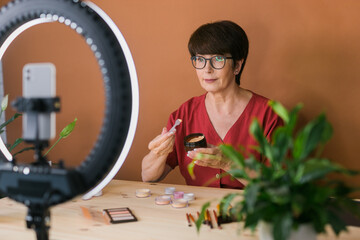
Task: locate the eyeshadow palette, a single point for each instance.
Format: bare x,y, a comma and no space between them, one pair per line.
120,215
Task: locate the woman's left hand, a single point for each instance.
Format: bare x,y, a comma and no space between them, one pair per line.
210,157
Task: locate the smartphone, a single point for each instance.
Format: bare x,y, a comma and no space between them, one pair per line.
39,81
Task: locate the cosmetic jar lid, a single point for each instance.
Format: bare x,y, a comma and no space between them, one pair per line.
178,195
189,196
143,193
163,200
179,203
170,190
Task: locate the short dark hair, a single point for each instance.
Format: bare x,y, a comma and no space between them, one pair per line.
220,38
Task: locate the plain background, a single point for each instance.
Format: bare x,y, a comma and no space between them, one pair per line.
300,51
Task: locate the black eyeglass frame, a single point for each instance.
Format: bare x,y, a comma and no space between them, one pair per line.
210,60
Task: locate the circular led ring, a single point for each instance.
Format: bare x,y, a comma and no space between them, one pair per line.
120,84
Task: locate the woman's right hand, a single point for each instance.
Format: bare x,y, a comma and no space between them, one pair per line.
162,144
154,167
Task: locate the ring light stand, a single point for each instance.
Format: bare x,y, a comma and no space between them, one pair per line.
40,186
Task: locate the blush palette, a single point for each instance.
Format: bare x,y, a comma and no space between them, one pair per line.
120,215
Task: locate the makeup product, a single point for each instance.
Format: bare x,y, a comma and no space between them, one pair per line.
93,214
178,195
188,219
206,221
177,122
142,193
170,190
189,196
179,203
209,218
192,218
194,140
163,200
120,215
216,220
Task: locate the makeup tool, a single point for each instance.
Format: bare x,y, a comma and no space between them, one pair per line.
120,215
216,220
209,218
188,219
177,122
192,218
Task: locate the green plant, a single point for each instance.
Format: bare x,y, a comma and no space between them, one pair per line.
295,187
63,134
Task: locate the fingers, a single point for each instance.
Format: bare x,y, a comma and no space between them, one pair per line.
209,157
165,148
207,151
163,143
158,140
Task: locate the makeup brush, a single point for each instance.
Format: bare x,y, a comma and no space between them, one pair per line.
177,122
188,219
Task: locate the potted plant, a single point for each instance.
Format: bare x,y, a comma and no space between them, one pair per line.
293,192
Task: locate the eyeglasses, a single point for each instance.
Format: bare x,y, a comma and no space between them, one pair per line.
216,62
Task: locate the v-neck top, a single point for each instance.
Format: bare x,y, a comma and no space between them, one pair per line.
195,119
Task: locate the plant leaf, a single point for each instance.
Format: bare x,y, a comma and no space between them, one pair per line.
15,116
190,168
280,110
335,222
282,141
23,150
264,145
17,142
68,129
315,132
63,134
225,203
250,195
4,102
282,226
233,155
201,217
317,169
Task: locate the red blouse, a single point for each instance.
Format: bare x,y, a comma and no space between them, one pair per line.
196,120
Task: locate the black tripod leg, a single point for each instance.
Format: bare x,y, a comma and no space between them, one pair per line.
38,218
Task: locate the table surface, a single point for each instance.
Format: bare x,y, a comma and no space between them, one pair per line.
154,221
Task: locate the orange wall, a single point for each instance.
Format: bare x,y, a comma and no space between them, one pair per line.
300,51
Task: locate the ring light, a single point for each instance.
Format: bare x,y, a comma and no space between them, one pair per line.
47,186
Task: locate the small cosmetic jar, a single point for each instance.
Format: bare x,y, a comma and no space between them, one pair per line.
178,195
170,190
163,200
143,193
179,203
194,140
189,196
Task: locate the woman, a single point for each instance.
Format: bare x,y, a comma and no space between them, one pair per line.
223,114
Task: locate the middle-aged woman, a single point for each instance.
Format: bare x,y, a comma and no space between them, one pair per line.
223,114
